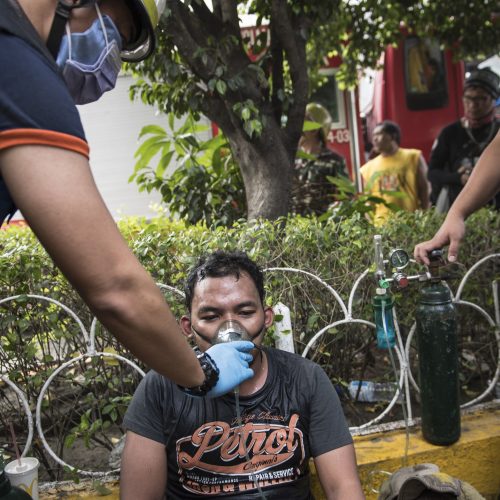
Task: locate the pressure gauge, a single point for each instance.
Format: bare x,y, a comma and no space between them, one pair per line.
399,258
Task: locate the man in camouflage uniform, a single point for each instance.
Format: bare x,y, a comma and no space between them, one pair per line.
312,192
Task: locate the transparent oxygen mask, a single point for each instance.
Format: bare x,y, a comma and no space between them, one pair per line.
230,331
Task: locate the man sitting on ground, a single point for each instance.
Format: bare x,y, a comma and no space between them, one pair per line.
255,443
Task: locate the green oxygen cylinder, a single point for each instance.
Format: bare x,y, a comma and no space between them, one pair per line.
437,341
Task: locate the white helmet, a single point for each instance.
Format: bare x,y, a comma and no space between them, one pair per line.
146,14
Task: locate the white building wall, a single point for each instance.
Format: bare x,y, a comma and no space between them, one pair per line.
112,126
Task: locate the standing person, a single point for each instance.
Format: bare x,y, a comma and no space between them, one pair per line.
395,170
53,54
483,184
460,144
251,447
312,192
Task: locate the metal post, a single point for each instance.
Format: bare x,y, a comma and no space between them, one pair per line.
354,143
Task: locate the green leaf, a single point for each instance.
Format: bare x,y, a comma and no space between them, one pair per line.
69,440
84,423
150,152
305,156
308,126
344,184
216,162
171,120
152,129
100,489
199,127
164,163
179,149
147,144
312,321
107,409
221,87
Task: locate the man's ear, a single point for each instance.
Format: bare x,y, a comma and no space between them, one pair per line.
268,316
186,327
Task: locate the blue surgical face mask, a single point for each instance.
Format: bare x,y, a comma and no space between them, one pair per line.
90,61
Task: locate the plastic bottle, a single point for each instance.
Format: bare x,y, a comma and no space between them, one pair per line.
7,491
371,392
382,307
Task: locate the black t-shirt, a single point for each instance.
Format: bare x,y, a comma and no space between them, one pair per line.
295,416
457,146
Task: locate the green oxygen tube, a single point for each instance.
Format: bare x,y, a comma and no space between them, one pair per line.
436,319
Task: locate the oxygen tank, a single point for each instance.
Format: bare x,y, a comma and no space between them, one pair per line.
436,319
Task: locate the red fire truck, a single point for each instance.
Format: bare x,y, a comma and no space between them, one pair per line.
420,88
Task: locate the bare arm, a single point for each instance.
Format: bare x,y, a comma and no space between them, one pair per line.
143,473
337,472
482,185
56,193
422,183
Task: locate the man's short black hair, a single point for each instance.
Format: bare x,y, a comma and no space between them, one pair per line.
392,129
220,264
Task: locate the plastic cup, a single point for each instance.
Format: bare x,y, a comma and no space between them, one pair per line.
24,476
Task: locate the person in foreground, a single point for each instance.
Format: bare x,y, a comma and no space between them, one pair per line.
481,187
179,447
53,54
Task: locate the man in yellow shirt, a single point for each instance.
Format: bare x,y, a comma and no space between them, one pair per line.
397,175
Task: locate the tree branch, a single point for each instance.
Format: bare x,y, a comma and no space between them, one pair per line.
215,109
277,75
229,11
208,18
292,39
189,35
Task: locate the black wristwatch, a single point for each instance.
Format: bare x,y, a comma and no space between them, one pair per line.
211,375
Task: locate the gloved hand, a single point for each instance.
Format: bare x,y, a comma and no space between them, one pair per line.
232,360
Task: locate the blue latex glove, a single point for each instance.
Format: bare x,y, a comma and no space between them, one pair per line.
232,360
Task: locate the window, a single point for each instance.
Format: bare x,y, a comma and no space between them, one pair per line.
328,95
425,74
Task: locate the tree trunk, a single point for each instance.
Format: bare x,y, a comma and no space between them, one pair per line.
267,171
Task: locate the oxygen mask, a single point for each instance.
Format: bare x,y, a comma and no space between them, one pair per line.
230,331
